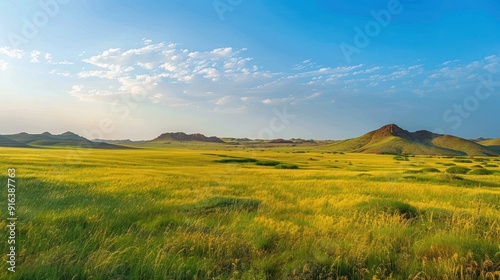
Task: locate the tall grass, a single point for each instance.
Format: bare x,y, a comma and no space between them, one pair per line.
174,213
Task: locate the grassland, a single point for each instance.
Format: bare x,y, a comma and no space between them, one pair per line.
206,212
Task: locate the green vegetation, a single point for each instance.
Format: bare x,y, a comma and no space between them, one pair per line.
401,158
463,160
287,166
430,170
480,172
393,140
236,160
412,171
267,162
457,170
210,212
389,206
223,204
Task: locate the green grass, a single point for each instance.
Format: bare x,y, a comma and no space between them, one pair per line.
223,204
480,172
236,160
286,166
457,170
401,158
463,160
389,206
267,162
173,213
430,170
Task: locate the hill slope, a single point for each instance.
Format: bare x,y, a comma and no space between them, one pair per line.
181,136
6,142
67,139
391,139
492,144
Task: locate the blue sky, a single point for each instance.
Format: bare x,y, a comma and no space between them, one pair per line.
257,69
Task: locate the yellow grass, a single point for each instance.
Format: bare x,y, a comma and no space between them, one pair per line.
176,213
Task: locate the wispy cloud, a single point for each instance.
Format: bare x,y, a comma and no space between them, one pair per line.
228,80
3,65
13,53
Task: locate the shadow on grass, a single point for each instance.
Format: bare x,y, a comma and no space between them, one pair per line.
221,204
389,206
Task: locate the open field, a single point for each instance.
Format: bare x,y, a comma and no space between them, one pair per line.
206,212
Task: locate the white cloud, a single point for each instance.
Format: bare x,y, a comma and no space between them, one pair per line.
224,100
13,53
399,74
48,57
306,64
170,101
35,56
414,67
63,74
346,69
449,62
224,77
368,71
140,84
314,95
232,110
223,52
3,65
64,62
492,63
115,71
91,95
146,65
102,60
77,90
144,50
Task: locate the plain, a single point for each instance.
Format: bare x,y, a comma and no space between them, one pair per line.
207,211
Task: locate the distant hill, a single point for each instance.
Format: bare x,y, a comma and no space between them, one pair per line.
490,142
119,142
493,144
67,139
281,141
7,142
391,139
181,136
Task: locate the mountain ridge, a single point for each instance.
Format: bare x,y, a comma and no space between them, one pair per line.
181,136
46,139
392,139
388,139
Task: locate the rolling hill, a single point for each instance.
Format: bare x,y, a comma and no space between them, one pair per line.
181,136
67,139
492,144
7,142
391,139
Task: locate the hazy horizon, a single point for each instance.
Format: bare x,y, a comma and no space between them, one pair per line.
225,136
253,69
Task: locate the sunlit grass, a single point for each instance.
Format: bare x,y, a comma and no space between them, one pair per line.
194,212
